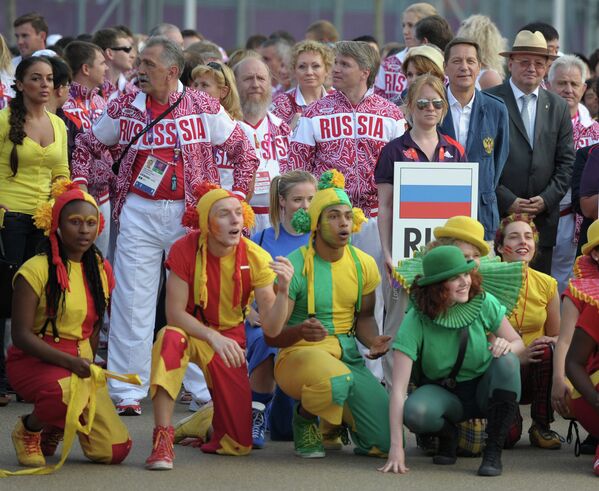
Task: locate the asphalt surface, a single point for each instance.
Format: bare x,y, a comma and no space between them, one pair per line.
276,468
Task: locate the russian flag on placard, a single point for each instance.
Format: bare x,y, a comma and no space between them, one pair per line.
444,195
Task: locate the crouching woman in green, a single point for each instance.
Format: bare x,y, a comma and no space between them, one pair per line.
462,375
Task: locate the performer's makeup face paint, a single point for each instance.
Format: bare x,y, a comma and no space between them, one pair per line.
470,251
458,288
79,228
518,243
226,221
335,225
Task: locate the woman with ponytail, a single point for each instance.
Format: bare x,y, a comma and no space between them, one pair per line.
288,193
33,153
60,299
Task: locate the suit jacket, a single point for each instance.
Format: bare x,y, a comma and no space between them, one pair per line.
487,144
544,171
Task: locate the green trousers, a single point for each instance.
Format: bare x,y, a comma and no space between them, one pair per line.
427,408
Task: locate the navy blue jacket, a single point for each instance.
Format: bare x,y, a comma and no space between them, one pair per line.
487,144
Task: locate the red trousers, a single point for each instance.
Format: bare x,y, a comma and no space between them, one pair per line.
229,387
586,414
47,387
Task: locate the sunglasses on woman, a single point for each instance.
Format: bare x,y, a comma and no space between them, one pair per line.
423,103
215,66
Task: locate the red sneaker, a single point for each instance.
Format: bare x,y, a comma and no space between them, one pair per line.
51,437
162,456
596,463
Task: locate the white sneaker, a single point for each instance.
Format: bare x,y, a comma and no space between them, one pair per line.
128,407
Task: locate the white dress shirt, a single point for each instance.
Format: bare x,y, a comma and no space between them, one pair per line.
461,116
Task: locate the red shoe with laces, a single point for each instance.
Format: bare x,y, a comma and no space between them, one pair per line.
162,456
51,438
596,463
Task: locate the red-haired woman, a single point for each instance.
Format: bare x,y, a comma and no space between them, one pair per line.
462,376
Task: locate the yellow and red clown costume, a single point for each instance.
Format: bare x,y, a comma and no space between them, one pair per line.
329,377
219,290
49,386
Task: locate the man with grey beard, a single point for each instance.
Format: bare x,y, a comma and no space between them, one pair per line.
270,137
268,133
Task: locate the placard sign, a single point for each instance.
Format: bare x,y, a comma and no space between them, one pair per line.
425,195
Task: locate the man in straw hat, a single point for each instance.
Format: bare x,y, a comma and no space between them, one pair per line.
213,272
537,173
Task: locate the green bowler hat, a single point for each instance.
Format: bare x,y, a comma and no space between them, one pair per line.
442,263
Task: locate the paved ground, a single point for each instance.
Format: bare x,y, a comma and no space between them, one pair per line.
275,468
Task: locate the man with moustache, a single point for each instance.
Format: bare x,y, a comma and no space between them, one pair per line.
268,133
177,129
331,305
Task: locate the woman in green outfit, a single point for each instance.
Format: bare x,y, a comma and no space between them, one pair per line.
449,313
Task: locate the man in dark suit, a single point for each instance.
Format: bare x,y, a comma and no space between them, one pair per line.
537,173
479,122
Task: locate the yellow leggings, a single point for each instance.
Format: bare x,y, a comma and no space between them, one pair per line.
331,381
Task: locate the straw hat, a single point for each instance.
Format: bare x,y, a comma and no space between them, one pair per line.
465,229
428,51
592,238
529,43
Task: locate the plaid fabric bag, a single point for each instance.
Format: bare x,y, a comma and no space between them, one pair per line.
471,439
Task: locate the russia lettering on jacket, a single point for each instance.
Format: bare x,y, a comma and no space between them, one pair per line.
164,133
277,149
350,125
81,117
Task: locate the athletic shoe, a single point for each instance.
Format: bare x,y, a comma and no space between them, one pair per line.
27,445
544,438
588,446
162,456
258,424
185,397
51,437
596,463
334,437
307,438
197,425
128,407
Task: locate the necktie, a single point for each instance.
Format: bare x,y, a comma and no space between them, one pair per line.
525,113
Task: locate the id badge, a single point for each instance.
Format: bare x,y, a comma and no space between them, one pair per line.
262,183
151,175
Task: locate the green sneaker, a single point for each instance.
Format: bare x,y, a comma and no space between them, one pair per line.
307,438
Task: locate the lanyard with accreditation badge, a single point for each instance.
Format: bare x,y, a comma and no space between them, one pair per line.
116,167
154,169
